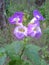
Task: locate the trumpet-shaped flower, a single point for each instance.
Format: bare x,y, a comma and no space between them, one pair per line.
34,31
20,32
16,18
38,15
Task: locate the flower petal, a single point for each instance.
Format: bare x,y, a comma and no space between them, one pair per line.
20,32
38,33
34,31
16,17
38,15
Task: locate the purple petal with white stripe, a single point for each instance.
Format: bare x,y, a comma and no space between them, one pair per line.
38,15
17,17
20,32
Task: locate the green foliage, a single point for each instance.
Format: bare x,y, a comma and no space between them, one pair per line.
16,62
46,36
19,62
42,10
14,49
43,62
12,7
15,52
46,31
2,56
31,51
47,9
27,62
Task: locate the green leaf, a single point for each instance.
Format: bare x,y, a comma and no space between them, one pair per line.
19,62
16,62
2,56
43,62
14,49
33,47
27,62
31,51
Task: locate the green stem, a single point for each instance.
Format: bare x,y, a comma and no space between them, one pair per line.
22,52
24,42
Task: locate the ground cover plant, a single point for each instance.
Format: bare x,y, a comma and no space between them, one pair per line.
24,40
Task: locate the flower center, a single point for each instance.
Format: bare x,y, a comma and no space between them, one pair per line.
37,16
17,19
31,23
35,29
21,29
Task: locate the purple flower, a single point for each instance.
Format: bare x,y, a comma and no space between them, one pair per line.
16,18
20,32
38,15
34,31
